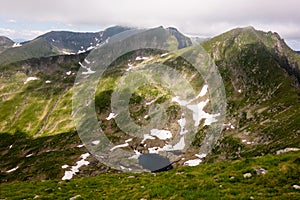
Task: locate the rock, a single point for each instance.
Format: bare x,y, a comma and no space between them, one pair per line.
75,197
247,175
261,171
297,187
131,177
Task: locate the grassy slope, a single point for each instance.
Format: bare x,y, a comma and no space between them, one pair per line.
35,49
212,181
37,108
261,113
266,109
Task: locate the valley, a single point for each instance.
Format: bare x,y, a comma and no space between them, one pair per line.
43,156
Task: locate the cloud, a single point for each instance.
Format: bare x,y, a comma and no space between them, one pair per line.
12,21
21,34
190,16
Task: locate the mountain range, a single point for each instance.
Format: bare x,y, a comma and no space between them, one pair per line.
261,76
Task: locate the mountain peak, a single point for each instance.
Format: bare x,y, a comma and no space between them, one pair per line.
5,43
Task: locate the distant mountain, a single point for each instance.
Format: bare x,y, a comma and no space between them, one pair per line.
198,40
243,41
298,52
259,72
66,43
58,43
5,43
183,41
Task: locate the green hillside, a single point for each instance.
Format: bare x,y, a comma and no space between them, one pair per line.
227,180
261,78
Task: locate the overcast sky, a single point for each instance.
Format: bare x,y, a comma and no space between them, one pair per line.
27,19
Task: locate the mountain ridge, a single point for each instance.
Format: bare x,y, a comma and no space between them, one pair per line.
262,98
5,43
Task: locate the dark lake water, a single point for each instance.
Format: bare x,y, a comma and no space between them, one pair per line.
155,162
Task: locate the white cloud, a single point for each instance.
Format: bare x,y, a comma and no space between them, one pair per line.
12,21
24,34
190,16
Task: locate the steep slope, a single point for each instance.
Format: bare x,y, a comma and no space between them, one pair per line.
232,43
5,43
260,75
36,108
36,94
262,98
183,41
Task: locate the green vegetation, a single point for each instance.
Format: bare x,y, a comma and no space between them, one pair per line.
211,181
262,118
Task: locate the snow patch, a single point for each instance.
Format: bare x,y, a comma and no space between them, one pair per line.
287,150
143,58
13,169
165,54
136,156
79,146
111,116
199,114
89,71
129,140
119,146
29,155
161,134
130,67
182,122
151,102
67,52
297,187
202,155
193,163
80,51
147,137
179,146
125,168
68,73
180,102
88,62
16,45
90,48
65,166
47,81
30,79
96,142
197,109
203,91
69,174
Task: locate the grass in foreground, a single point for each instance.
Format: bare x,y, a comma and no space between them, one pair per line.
211,181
